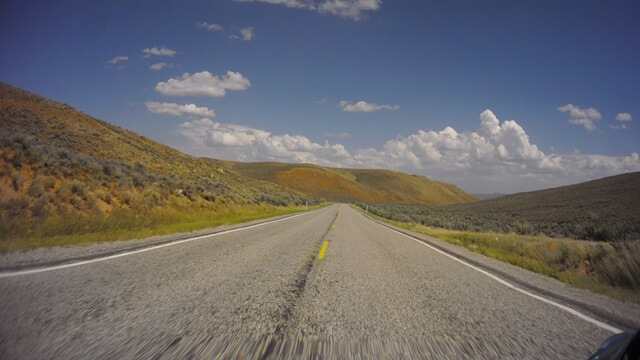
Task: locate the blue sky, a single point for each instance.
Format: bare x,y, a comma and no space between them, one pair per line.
290,80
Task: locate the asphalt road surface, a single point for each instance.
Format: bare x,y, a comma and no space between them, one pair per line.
329,284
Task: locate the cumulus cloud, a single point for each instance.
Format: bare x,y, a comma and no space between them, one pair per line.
498,156
178,110
118,59
351,9
159,66
210,138
362,106
203,84
341,135
210,26
583,117
158,51
624,117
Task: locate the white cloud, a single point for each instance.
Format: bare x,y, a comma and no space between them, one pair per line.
583,117
362,106
159,51
341,135
496,157
210,26
352,9
302,4
118,59
203,84
159,66
247,33
214,139
619,127
178,110
624,117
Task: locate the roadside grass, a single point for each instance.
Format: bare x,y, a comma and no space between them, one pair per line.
611,269
124,226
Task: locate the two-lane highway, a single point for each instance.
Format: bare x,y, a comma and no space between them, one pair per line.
329,283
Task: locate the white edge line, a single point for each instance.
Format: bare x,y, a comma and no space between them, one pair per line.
84,262
509,285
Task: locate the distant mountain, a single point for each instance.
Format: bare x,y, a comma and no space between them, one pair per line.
64,172
488,196
377,186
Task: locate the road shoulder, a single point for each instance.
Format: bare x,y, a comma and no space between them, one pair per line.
58,255
623,315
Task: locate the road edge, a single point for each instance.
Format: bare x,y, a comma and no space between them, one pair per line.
164,240
595,310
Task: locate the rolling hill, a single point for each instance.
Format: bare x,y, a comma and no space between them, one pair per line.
63,172
375,186
605,209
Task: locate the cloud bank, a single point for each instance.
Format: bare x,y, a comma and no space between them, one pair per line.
497,156
203,84
214,139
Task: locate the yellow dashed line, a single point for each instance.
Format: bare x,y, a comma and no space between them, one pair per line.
324,248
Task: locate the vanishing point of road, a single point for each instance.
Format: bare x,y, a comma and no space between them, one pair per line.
330,283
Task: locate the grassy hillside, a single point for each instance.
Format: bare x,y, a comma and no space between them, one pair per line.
376,186
602,210
64,173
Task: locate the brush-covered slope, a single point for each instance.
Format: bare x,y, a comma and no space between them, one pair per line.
377,186
64,172
607,209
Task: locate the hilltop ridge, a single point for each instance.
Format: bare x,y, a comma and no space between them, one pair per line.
370,185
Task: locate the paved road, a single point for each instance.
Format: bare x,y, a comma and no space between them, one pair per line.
263,293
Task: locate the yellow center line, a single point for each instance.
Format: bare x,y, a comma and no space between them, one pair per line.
324,248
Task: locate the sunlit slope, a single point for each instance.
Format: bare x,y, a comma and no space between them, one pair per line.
380,186
59,165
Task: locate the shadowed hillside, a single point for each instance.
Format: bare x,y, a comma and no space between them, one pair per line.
63,173
376,186
602,210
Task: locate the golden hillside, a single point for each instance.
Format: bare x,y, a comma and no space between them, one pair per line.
378,186
63,172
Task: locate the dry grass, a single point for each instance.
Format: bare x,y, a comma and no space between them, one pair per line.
75,231
611,269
